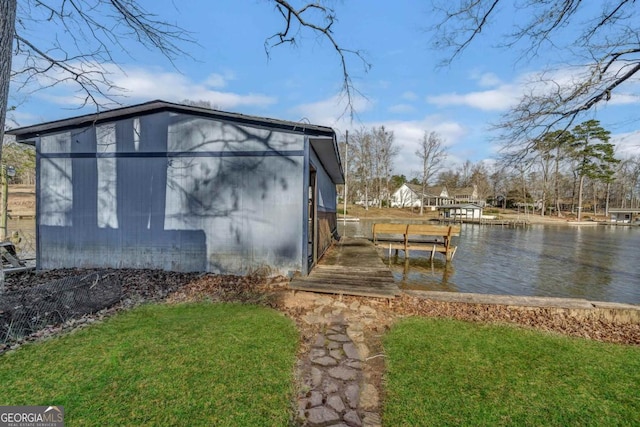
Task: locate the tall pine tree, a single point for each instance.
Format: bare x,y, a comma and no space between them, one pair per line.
594,154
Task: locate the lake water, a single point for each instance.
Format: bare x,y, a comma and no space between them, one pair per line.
599,263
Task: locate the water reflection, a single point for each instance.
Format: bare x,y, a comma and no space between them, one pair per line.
422,273
599,263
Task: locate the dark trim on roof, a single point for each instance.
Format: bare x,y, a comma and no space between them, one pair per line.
461,206
29,132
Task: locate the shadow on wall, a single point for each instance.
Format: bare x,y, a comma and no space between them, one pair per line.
171,191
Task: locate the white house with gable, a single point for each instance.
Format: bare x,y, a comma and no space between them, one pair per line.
410,196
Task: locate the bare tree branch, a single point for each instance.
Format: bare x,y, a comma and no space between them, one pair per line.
93,30
599,42
290,14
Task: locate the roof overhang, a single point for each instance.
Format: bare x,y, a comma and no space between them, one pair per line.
327,151
624,210
461,206
28,133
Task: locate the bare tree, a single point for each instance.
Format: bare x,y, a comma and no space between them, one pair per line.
432,152
385,151
93,29
363,163
85,33
600,45
7,22
480,179
318,18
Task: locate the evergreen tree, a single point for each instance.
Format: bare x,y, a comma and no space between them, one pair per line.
594,155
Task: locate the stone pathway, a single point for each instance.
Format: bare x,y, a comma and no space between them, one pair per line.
334,387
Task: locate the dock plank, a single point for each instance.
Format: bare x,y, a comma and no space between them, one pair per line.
350,267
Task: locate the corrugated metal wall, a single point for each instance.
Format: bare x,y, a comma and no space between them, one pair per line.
171,191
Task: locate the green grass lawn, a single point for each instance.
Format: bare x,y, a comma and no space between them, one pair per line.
197,364
445,372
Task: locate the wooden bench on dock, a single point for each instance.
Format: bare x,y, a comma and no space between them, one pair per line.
403,237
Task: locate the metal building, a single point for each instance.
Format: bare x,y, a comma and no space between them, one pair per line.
176,187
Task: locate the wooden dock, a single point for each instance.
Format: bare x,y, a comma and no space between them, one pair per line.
350,267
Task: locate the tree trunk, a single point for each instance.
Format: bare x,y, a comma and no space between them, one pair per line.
580,197
595,199
7,28
606,200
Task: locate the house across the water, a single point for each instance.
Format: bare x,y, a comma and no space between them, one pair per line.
411,196
624,215
176,187
461,211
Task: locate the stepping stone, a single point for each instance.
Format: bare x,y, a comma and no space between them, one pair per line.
337,329
325,361
337,354
336,403
333,345
354,364
352,419
343,373
351,351
371,419
363,350
315,399
352,393
339,338
316,376
369,397
321,416
330,387
317,352
319,341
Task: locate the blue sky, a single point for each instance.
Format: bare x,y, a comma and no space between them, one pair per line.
405,90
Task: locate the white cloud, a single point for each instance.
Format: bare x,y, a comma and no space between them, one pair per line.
147,84
144,84
409,133
486,79
624,99
500,95
627,144
216,80
409,96
401,108
498,99
333,111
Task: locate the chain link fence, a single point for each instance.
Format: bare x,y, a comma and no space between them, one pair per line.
25,243
25,311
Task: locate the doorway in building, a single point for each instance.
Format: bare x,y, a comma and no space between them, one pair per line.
312,228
